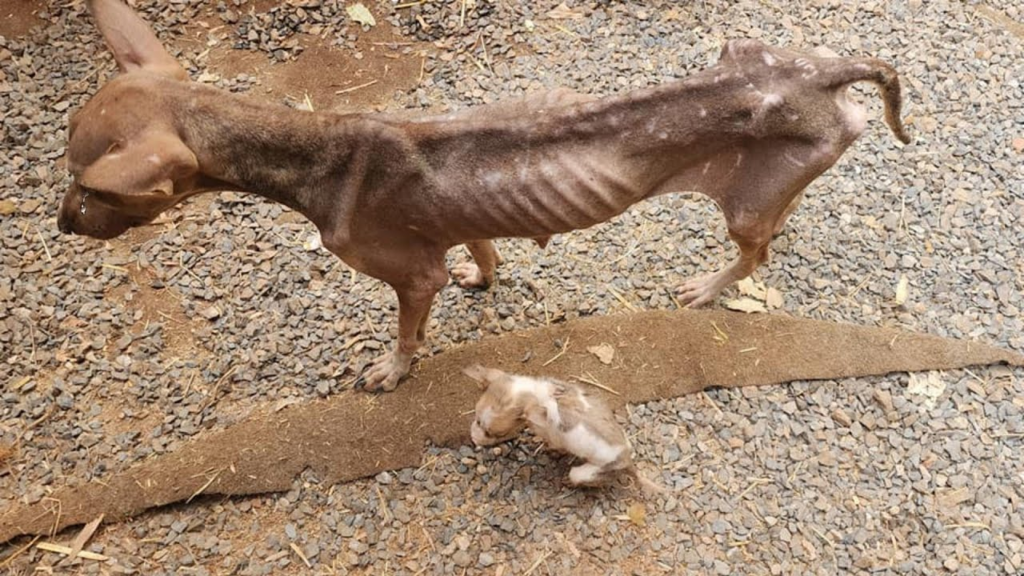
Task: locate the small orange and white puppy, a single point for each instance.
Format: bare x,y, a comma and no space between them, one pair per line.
565,416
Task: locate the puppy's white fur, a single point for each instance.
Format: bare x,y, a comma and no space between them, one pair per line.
565,416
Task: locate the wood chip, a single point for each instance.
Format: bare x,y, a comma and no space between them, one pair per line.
884,400
563,12
51,547
842,418
298,552
79,542
945,499
604,352
902,290
748,287
748,305
637,514
929,385
360,14
773,298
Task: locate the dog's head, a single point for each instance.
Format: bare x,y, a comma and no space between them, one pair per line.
127,161
499,416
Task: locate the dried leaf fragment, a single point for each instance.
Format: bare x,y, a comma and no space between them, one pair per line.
748,305
902,290
360,14
563,12
748,287
604,352
637,514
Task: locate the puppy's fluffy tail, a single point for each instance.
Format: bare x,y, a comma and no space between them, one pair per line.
846,71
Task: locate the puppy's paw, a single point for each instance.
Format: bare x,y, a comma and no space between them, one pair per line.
385,372
469,276
585,475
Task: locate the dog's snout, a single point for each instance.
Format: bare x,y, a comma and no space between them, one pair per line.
63,224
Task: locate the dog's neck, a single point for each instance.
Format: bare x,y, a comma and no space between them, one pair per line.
294,157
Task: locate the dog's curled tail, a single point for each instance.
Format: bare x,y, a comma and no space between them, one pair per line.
852,70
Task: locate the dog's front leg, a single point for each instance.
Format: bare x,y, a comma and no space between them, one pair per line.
414,301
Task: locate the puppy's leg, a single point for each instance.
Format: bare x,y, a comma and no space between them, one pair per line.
585,475
415,297
480,272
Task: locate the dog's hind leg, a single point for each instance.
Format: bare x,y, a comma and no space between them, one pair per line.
781,223
479,273
755,205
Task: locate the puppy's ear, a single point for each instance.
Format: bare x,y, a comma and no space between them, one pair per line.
536,413
483,376
147,164
134,45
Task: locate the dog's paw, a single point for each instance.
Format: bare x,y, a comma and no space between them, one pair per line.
699,291
385,372
469,276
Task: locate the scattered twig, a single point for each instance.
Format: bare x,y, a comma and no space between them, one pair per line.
720,336
712,402
34,423
754,483
57,548
114,267
301,556
978,525
621,299
216,388
7,561
565,346
354,88
49,257
589,379
79,542
204,486
537,562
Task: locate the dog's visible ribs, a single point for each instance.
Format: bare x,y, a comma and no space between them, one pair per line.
392,193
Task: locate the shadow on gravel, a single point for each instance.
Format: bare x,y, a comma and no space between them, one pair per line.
353,435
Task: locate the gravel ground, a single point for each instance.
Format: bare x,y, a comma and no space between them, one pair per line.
115,351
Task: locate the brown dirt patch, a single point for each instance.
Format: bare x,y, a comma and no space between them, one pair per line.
353,435
389,63
18,17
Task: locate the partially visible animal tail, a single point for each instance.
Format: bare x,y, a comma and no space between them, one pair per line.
848,71
647,484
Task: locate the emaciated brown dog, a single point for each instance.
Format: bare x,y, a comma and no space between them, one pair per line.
391,195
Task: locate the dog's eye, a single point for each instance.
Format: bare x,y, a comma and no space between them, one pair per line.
108,198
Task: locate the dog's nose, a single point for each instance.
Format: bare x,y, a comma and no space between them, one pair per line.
63,225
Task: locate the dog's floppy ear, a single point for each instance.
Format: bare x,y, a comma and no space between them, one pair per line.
483,376
149,163
134,45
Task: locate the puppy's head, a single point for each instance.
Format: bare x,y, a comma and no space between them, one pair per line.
499,416
127,161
